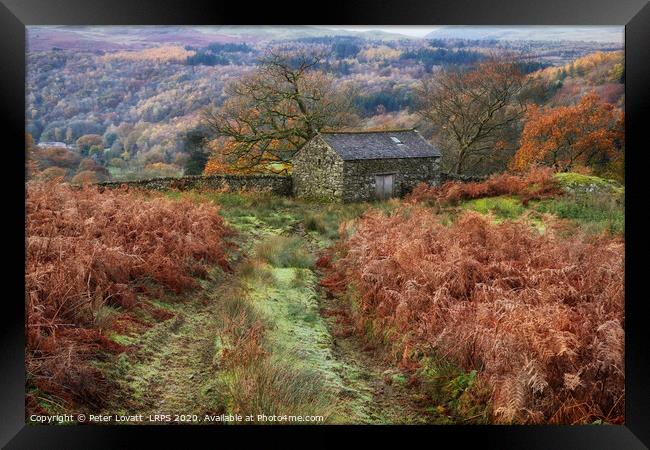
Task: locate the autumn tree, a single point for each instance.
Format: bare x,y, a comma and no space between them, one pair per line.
89,164
51,174
55,157
270,114
473,112
86,177
589,133
85,142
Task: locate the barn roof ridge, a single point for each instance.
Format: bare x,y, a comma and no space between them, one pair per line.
395,130
379,144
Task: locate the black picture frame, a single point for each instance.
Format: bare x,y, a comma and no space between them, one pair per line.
15,15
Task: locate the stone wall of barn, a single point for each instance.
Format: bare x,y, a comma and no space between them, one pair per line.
317,172
359,176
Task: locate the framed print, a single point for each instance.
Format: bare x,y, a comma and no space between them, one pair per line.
415,219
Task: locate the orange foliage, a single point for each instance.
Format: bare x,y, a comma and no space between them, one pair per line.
536,184
225,150
540,317
562,137
86,250
85,177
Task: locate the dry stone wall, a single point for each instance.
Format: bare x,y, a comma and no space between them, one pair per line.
277,184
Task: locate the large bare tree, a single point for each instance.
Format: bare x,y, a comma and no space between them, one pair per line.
270,113
473,111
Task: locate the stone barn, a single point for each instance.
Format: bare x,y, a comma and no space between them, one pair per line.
365,165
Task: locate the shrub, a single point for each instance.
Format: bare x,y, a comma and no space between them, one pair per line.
540,317
86,250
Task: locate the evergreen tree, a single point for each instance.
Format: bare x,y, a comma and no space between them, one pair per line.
197,154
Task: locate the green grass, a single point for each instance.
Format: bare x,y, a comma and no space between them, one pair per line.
298,375
138,173
502,207
123,339
595,204
283,251
594,213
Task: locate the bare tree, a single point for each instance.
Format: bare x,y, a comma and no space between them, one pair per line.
270,114
473,111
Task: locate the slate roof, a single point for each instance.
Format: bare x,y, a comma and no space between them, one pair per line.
379,144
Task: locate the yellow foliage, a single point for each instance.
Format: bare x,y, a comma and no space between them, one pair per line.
381,52
160,54
599,67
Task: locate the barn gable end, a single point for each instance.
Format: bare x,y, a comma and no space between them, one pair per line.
317,171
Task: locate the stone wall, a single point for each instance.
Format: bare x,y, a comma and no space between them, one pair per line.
317,172
274,183
359,176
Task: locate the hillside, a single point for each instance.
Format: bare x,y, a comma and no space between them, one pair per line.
143,89
108,38
606,35
602,72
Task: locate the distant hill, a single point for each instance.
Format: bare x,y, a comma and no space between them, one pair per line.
109,38
613,34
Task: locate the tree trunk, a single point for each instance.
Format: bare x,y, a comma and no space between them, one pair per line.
459,164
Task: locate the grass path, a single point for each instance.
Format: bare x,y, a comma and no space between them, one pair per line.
376,392
174,367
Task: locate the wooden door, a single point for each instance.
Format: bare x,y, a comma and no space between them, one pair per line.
384,186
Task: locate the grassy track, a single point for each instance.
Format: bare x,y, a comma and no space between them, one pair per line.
182,365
